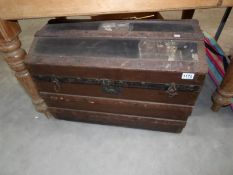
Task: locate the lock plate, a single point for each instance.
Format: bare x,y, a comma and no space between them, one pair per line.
110,87
172,90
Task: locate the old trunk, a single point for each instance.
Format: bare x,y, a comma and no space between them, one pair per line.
143,74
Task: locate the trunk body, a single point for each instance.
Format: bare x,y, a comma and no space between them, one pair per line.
141,74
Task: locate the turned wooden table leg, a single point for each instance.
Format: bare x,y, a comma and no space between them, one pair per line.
11,46
224,94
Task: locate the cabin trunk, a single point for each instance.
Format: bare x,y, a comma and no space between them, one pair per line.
141,74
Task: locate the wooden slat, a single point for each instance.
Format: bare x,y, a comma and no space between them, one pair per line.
18,9
127,93
118,106
119,120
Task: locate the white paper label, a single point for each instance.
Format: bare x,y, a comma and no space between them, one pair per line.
187,76
176,35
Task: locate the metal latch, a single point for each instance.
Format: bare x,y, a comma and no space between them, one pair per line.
172,90
111,87
56,85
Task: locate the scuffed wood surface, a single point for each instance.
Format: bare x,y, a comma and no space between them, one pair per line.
19,9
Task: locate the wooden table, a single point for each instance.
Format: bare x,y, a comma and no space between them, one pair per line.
24,9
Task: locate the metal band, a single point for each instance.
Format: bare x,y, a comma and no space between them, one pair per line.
117,83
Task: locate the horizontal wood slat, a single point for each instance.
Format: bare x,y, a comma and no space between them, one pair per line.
119,120
118,106
127,93
15,9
